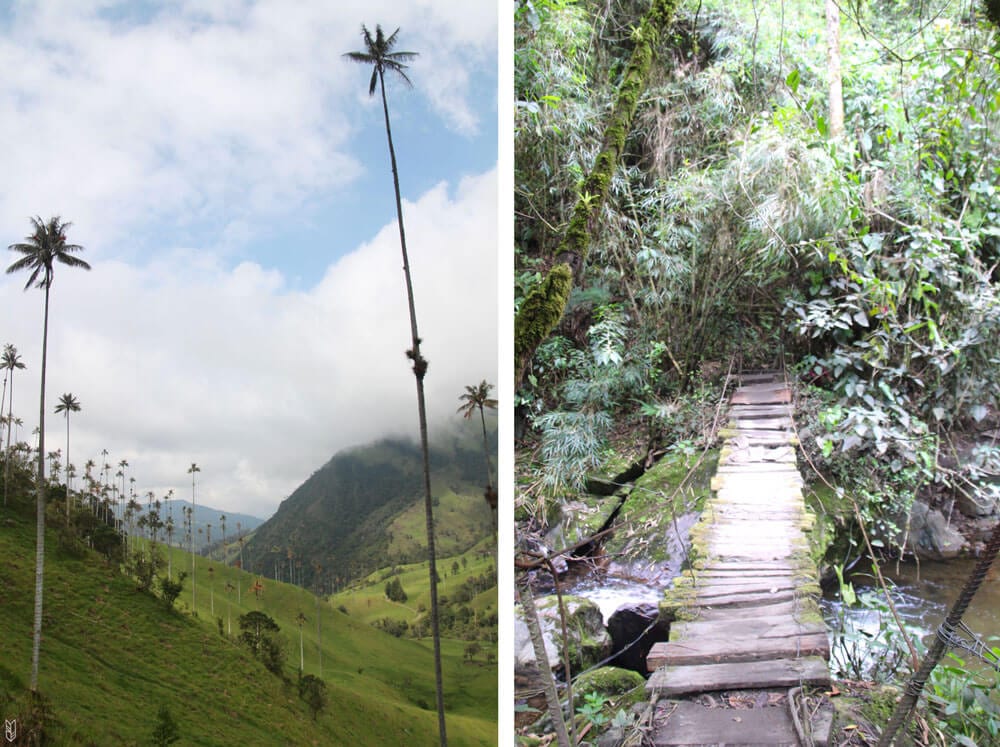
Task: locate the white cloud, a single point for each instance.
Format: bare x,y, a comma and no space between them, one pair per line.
182,359
206,111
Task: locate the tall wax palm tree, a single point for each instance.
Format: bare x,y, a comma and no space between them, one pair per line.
41,251
478,398
67,404
379,53
192,470
10,361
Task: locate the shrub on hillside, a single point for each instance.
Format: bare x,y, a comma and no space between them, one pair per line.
394,591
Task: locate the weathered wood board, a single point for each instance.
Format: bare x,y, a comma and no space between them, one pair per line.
671,681
692,723
745,648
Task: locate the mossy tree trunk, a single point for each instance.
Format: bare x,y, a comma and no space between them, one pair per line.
541,310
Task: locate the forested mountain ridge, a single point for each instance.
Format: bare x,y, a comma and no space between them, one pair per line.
352,515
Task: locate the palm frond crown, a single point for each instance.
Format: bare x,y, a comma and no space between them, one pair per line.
42,249
68,403
378,53
477,397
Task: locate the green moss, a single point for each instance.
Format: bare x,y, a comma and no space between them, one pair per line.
588,516
609,681
539,314
880,704
655,496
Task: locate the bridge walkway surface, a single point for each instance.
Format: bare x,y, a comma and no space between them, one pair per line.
747,638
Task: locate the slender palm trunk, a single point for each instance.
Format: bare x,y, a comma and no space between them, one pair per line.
419,369
191,547
3,401
319,635
10,427
67,468
486,450
36,638
490,491
302,653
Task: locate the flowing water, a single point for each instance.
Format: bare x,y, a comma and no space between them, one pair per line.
923,594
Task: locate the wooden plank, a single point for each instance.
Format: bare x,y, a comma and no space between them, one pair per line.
724,573
776,607
767,626
756,436
761,397
763,474
694,724
761,386
745,599
716,650
708,585
782,423
671,681
750,411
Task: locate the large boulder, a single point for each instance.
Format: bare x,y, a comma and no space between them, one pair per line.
627,626
931,536
588,642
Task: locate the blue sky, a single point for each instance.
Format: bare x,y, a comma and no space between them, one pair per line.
228,174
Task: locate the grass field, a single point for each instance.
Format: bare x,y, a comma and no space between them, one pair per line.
366,601
112,655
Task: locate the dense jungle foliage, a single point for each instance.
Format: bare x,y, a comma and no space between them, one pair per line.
741,224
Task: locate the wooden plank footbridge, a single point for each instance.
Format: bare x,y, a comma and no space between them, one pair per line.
746,635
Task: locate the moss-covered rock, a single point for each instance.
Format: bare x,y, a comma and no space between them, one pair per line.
610,682
585,517
654,512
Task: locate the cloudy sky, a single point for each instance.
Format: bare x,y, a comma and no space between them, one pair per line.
228,176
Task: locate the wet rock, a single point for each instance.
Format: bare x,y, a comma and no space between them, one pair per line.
588,641
983,503
931,536
630,622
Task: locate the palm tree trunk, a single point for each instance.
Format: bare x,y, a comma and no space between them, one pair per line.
3,401
36,637
419,369
486,450
67,468
319,633
490,491
10,427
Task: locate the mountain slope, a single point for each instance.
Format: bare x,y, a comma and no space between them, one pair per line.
111,656
363,510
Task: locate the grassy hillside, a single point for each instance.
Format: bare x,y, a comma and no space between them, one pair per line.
111,656
333,527
367,601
